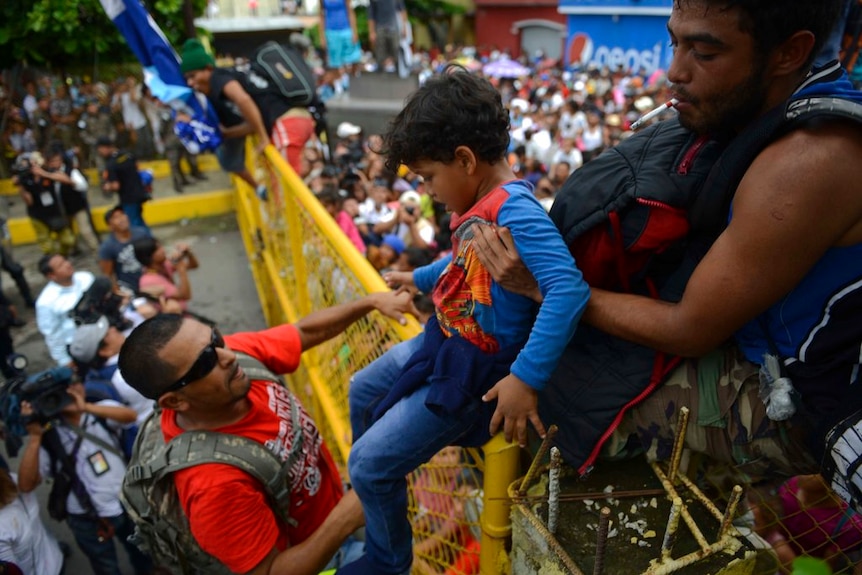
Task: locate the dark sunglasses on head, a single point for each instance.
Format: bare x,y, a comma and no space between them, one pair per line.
204,364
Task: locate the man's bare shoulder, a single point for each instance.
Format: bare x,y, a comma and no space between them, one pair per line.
811,172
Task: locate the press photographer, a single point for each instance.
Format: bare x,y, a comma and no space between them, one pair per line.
77,444
44,184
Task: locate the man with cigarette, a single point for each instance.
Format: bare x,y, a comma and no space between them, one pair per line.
778,293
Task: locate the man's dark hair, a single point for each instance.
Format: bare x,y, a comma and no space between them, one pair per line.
771,22
418,257
453,109
45,264
139,361
144,249
330,194
111,211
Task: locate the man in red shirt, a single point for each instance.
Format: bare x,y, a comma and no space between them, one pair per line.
193,374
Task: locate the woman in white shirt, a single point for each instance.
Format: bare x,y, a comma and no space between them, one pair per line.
24,541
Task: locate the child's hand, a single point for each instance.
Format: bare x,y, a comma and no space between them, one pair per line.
517,402
398,279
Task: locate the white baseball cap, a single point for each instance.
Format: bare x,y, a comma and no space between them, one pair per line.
346,129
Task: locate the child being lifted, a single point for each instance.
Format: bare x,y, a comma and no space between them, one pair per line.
486,351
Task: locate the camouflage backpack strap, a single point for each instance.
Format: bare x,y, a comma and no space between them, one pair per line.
161,527
257,371
198,447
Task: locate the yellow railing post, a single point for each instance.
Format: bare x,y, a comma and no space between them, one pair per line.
501,469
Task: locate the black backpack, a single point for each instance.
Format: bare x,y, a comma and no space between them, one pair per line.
278,69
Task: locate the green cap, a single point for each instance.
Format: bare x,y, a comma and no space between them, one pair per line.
195,56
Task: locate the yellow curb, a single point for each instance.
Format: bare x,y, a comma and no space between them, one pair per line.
160,168
156,213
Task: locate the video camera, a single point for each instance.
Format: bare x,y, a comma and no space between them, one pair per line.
23,166
46,392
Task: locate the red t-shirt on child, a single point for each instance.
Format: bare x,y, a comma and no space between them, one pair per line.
228,510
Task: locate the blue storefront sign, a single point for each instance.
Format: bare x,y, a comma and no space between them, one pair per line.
628,34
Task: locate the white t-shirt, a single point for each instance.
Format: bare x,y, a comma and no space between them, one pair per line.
24,540
574,158
373,215
425,228
142,406
133,117
99,469
52,314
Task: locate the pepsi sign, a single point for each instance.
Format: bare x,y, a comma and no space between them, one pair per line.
637,44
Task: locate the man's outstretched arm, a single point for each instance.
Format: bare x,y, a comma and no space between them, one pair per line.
322,325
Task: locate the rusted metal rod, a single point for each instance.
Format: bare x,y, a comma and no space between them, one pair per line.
672,526
537,460
554,490
735,496
602,540
679,442
623,494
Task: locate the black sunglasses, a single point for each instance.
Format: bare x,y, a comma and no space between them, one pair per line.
204,364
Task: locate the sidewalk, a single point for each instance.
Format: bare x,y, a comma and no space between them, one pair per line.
213,196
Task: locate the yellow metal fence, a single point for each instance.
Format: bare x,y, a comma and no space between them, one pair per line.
301,261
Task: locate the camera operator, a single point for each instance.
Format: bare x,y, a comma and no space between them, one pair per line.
81,444
36,185
413,228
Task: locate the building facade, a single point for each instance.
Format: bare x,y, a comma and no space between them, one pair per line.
521,27
628,34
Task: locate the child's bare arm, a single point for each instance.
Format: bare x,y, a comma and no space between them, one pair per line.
517,403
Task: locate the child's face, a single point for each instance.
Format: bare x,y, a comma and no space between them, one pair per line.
332,208
387,253
447,184
402,264
351,206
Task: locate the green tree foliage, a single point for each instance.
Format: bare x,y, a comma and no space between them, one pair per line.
67,32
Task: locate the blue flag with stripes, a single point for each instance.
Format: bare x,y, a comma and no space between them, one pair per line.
162,73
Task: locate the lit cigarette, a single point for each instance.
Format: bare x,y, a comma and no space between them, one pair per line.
653,113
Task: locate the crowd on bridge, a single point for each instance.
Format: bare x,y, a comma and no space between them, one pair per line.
454,203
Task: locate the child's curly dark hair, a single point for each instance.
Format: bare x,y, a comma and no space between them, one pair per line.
453,109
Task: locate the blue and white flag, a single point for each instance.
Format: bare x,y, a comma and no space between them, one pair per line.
162,73
150,46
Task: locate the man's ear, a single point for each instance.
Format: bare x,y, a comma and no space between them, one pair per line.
465,158
791,56
174,401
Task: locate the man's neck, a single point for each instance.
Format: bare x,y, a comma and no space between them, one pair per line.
123,236
65,283
207,420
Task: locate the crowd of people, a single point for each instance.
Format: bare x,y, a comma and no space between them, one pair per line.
451,205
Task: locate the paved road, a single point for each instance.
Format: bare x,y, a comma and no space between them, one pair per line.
222,289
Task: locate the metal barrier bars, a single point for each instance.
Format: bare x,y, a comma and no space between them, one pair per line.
301,261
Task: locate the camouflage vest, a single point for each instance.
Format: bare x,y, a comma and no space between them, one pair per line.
150,497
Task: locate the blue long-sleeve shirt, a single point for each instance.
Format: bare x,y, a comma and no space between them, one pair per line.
468,302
